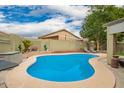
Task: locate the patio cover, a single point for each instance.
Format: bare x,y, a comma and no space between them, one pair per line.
113,27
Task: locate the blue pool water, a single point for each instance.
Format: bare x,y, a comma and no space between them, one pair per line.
62,68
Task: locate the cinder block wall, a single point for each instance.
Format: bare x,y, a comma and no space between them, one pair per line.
58,45
5,46
11,44
63,45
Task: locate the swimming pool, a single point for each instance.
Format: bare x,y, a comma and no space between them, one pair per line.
62,68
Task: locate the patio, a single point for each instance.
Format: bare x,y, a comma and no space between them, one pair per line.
117,72
98,80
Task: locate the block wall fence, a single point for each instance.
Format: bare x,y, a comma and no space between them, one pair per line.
12,43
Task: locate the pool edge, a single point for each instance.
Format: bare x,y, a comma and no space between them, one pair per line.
24,82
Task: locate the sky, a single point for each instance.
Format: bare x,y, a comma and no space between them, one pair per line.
35,21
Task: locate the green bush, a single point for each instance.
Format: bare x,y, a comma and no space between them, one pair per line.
20,47
45,47
27,44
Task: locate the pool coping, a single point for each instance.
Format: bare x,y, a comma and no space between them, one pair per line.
102,77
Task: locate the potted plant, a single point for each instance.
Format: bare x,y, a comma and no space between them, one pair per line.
20,48
115,61
45,47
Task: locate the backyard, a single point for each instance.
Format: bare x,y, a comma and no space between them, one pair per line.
60,49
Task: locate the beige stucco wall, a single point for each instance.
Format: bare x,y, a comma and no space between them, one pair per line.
5,46
12,41
15,40
64,35
40,43
63,45
5,42
58,45
9,42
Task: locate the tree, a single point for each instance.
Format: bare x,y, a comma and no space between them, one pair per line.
93,28
120,37
27,44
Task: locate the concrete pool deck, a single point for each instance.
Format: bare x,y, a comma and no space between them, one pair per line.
102,78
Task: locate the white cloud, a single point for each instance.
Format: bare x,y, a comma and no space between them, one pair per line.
1,16
57,22
72,11
76,33
38,29
76,23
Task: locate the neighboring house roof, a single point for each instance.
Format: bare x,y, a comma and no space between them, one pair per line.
115,22
50,36
59,31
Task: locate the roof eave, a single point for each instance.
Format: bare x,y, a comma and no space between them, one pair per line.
58,31
114,22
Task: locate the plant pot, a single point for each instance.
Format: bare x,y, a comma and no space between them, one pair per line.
115,62
115,56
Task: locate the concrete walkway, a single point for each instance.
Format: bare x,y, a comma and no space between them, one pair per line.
2,78
118,72
96,81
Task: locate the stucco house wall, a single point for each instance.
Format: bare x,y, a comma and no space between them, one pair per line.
61,34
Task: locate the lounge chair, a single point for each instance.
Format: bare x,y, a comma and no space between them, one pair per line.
92,50
86,50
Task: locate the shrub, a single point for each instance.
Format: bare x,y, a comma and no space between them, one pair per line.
45,47
20,47
27,44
